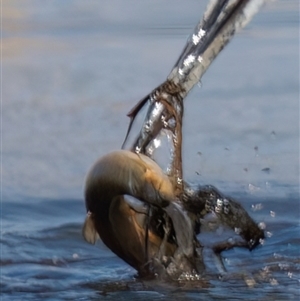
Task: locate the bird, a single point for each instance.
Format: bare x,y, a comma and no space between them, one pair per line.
148,216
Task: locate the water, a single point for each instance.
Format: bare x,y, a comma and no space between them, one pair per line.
71,70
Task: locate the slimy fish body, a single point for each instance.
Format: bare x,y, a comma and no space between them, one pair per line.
121,224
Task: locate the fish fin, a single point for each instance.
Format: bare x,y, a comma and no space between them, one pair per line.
183,229
89,231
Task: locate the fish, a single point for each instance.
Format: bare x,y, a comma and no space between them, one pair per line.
118,221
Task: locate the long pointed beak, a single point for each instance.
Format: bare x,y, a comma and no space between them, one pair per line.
220,22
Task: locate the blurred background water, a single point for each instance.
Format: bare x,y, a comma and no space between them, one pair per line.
71,70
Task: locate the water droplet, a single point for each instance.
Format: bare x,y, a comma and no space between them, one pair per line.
266,269
164,122
172,123
252,188
149,151
226,210
250,282
219,202
228,261
269,234
156,143
186,276
251,243
54,260
168,170
276,255
237,230
226,206
262,226
266,170
273,134
273,281
256,207
189,60
207,205
230,240
175,141
283,266
218,207
268,185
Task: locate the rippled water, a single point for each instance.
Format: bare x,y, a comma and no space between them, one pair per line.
71,70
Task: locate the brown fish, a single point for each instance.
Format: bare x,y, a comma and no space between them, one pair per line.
120,222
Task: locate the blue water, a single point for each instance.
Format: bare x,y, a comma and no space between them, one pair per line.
71,70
